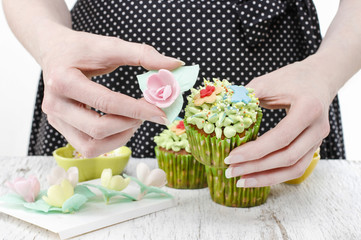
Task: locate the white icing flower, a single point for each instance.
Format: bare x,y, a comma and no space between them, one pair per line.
156,177
58,174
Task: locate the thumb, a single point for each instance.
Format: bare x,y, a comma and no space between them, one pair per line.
136,54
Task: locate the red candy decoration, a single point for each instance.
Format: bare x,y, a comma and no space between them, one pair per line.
180,125
207,91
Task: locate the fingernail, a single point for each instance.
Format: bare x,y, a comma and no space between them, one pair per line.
246,182
227,160
177,60
229,172
160,120
240,182
234,159
181,62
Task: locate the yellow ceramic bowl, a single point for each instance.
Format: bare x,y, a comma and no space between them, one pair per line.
91,168
309,170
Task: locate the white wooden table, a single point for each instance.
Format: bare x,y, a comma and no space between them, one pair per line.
326,206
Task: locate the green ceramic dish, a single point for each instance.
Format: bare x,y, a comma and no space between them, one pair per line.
92,168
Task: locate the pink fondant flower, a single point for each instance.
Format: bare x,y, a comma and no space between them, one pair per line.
28,188
162,89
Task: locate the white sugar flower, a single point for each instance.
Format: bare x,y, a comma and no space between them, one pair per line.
58,174
156,177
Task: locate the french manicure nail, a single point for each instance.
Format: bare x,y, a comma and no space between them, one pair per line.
246,182
240,182
182,63
227,160
229,172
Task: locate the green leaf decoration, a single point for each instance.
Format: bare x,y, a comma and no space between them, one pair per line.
74,203
41,206
108,193
84,191
173,110
12,198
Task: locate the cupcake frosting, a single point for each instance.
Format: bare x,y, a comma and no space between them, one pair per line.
222,108
174,138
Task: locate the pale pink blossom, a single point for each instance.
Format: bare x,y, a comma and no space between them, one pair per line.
162,89
28,188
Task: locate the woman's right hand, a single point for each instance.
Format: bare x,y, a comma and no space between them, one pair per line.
68,64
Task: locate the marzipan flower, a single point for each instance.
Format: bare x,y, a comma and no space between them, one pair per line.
58,174
117,183
58,194
162,89
28,188
155,178
207,95
179,129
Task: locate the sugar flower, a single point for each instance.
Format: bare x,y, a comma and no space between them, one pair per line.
207,95
162,89
59,193
156,177
178,129
58,174
28,188
117,183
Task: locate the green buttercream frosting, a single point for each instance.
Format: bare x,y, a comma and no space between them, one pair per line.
234,109
171,141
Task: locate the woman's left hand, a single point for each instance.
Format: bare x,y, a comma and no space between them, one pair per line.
284,152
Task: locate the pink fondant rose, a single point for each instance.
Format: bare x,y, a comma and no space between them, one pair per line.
28,188
162,89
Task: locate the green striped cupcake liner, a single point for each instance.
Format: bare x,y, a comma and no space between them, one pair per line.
183,171
225,192
211,151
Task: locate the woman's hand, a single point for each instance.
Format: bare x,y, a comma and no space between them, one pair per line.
68,64
284,152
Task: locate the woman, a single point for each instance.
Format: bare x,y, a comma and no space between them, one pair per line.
273,46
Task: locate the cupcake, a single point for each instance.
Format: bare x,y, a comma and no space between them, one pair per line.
174,157
218,118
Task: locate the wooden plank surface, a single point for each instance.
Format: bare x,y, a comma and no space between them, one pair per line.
326,206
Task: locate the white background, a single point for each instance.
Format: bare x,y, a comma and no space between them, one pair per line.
19,75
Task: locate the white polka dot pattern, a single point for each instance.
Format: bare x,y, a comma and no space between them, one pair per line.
236,40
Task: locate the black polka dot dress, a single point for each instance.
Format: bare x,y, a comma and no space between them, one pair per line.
235,40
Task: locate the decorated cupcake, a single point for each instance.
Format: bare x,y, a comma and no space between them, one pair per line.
174,157
219,117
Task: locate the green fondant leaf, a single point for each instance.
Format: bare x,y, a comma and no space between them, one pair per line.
12,198
74,203
42,206
173,110
83,190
